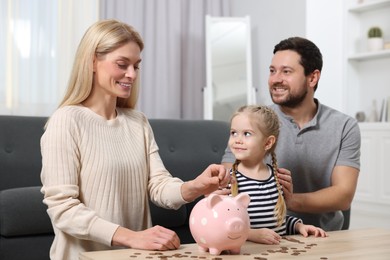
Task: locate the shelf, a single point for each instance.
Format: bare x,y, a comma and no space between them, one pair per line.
364,7
364,69
374,125
370,55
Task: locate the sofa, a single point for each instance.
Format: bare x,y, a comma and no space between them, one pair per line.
187,147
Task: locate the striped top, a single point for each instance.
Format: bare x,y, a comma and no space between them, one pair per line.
264,195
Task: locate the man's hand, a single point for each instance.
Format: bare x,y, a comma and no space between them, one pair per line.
285,179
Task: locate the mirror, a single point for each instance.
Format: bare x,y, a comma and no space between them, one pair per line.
228,66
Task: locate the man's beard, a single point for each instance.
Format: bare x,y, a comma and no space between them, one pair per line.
292,100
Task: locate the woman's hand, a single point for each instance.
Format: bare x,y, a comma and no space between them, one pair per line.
224,191
306,230
155,238
213,178
264,236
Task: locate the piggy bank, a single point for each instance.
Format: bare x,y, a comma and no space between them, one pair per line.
220,222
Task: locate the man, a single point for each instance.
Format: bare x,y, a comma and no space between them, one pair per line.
318,147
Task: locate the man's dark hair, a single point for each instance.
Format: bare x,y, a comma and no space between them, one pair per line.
311,57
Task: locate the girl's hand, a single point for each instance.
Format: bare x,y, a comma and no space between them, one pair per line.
264,236
306,230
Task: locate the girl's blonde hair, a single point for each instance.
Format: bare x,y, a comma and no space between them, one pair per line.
267,121
101,38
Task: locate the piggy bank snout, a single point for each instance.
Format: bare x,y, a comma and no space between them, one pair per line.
237,225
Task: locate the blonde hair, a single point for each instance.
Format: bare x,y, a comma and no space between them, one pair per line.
267,121
101,38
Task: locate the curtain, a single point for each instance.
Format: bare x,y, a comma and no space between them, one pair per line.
38,39
173,71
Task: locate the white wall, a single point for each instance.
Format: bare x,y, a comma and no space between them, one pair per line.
326,31
273,21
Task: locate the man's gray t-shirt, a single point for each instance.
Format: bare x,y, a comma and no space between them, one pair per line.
330,139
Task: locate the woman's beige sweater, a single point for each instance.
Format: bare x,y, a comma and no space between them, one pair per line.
99,174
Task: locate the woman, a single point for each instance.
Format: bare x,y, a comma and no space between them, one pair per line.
100,161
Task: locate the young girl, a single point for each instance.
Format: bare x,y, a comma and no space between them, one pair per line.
253,136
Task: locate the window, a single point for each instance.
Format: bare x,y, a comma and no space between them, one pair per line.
38,39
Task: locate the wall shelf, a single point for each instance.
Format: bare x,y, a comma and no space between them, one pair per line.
369,55
367,83
373,5
374,126
366,72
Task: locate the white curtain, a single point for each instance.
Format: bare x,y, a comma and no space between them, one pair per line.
38,39
173,71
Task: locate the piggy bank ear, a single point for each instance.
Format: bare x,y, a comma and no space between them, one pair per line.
212,200
243,199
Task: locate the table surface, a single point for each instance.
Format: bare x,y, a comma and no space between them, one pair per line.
372,244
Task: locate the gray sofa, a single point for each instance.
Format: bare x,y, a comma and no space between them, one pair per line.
187,147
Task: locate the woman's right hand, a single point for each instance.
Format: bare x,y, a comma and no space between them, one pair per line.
155,238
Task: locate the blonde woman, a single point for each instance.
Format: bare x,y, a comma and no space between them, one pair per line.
100,161
253,135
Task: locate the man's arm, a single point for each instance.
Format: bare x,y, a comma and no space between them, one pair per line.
338,196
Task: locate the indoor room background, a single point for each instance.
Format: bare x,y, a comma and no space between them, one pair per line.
38,39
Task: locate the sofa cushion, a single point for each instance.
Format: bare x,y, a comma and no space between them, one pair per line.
22,212
187,147
168,218
20,156
26,247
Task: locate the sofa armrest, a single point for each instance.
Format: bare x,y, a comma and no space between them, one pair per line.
22,212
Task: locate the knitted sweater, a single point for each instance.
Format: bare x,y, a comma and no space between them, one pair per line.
99,174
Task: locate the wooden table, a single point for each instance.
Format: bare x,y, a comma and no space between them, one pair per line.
371,244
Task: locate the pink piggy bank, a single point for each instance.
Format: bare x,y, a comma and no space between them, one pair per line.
220,222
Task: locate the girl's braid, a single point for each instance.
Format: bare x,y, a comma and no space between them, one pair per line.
271,123
280,207
234,184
